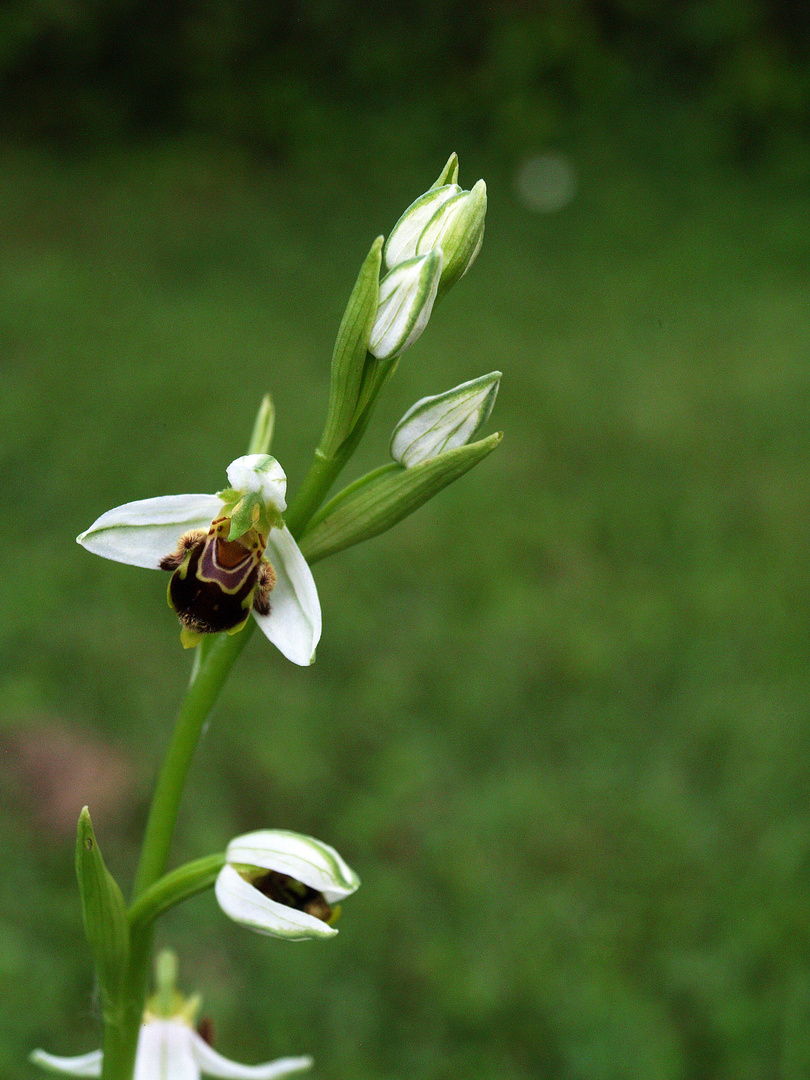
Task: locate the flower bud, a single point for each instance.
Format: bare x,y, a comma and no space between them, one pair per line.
457,226
407,294
283,884
444,421
402,241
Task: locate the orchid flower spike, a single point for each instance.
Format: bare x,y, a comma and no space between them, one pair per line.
284,884
229,554
170,1048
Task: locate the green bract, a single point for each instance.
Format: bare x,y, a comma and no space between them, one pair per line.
380,499
350,358
104,914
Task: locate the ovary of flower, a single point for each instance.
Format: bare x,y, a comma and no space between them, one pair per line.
229,554
170,1049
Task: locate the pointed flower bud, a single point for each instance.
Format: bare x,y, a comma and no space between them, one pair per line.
407,294
457,227
444,421
380,499
446,217
449,174
283,884
401,243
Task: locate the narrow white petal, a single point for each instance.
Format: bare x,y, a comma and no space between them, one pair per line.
165,1052
141,533
213,1064
301,857
260,473
294,622
84,1065
250,908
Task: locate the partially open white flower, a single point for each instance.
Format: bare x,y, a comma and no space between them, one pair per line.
229,554
284,884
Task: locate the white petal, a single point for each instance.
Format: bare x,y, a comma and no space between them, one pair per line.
246,905
165,1053
260,473
307,860
141,533
84,1065
213,1064
294,622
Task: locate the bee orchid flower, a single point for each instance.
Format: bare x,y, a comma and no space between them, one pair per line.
229,554
170,1047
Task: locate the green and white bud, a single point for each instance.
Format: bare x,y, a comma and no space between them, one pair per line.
457,227
375,502
283,884
407,294
444,421
401,243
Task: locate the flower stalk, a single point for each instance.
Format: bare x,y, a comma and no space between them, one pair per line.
234,554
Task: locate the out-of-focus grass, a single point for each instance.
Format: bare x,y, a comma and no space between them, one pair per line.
558,719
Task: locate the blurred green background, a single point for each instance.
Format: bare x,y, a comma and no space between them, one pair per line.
558,721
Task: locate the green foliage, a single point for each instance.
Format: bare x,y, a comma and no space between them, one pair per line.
558,722
285,77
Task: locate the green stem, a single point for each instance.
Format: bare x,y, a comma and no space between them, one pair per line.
202,693
219,656
174,887
322,474
214,662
